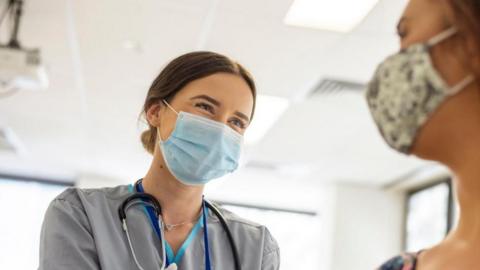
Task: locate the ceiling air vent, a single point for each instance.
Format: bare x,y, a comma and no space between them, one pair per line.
333,86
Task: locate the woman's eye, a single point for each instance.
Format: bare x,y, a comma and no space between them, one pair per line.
238,123
206,107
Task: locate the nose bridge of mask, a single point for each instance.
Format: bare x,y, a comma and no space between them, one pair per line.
212,124
226,130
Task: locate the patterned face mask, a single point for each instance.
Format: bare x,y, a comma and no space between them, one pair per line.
406,90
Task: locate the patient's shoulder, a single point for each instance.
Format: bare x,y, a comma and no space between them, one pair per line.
406,261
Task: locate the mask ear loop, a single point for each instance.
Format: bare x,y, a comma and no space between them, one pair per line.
461,85
442,36
169,106
438,39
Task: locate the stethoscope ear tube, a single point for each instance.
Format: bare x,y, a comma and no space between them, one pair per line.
138,196
143,197
220,216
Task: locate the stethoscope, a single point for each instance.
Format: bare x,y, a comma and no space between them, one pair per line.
155,214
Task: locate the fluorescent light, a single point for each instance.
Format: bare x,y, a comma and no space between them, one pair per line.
333,15
268,111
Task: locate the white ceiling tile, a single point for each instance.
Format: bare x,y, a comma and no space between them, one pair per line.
87,119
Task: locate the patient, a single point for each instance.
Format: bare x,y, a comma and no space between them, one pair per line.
425,101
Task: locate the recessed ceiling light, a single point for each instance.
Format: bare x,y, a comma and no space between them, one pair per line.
268,111
333,15
132,45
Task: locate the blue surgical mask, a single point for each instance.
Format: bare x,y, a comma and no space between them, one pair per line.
200,149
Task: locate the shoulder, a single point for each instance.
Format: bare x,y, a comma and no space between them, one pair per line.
238,221
78,202
78,196
406,261
250,229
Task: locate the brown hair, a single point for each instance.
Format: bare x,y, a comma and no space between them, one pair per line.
183,70
466,16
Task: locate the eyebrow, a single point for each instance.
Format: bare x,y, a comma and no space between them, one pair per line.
243,116
218,104
209,99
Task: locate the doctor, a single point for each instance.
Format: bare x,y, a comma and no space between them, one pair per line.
197,109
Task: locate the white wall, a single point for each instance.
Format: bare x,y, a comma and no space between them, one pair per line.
90,180
367,227
361,226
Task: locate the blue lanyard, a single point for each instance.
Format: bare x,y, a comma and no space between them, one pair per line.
205,237
154,222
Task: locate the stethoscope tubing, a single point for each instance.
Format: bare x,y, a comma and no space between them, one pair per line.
149,199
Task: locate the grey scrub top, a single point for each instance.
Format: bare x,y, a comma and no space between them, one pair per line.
82,230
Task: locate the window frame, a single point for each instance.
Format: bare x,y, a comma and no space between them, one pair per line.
266,208
40,180
450,216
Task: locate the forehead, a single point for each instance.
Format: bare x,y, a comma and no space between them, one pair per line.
230,90
426,11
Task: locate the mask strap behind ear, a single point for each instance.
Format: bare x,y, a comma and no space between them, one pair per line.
169,106
158,129
461,85
442,36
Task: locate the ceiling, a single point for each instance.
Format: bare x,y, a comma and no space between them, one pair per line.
102,55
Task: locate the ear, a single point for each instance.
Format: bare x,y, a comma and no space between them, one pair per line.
154,113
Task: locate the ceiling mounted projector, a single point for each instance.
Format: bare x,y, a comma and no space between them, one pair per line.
20,68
